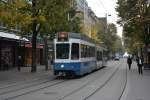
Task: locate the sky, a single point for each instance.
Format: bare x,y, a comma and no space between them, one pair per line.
103,8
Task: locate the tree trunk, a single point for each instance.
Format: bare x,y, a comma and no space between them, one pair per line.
34,35
33,68
46,53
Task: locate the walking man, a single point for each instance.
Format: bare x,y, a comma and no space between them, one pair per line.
140,65
129,62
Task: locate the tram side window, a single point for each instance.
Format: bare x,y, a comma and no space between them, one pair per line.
99,55
75,51
87,51
105,55
83,49
92,51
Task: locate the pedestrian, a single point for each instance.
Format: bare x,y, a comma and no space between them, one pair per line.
19,62
140,65
129,62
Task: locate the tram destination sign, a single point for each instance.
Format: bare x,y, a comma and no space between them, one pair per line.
62,36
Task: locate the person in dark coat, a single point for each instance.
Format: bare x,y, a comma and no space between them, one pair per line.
19,62
140,65
129,62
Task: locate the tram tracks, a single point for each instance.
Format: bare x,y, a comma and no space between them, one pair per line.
98,89
54,82
87,97
33,89
26,81
105,83
35,81
23,86
9,95
88,83
120,97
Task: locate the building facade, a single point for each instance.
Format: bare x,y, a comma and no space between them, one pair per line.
39,52
146,56
9,50
90,23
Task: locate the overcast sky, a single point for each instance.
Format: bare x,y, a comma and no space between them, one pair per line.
103,8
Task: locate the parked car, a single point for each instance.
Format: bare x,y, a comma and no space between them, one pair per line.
116,58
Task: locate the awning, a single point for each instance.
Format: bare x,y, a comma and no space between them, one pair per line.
38,46
12,36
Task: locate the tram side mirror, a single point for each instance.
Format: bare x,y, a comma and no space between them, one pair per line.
62,36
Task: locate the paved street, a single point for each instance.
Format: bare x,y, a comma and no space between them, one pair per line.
137,85
108,83
59,49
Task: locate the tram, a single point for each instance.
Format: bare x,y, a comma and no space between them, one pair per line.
76,54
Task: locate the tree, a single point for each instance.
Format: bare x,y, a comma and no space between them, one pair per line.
37,16
111,40
118,46
74,20
12,14
134,16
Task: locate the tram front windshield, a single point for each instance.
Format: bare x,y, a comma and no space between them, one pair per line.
62,51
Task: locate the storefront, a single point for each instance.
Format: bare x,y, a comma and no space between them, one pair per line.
10,50
28,54
8,53
147,57
16,51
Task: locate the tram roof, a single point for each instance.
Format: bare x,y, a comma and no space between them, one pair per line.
83,37
80,36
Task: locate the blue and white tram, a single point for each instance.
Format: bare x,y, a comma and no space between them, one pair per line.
76,54
101,56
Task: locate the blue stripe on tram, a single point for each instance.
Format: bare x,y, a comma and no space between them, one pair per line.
79,68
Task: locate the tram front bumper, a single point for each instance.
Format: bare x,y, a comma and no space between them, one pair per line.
67,67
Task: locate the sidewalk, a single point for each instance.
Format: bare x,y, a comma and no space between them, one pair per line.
14,76
138,86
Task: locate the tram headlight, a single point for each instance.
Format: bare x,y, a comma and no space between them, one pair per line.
62,66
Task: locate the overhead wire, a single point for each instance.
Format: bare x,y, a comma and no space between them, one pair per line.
102,5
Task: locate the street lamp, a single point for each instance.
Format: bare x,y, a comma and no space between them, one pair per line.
107,15
127,21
